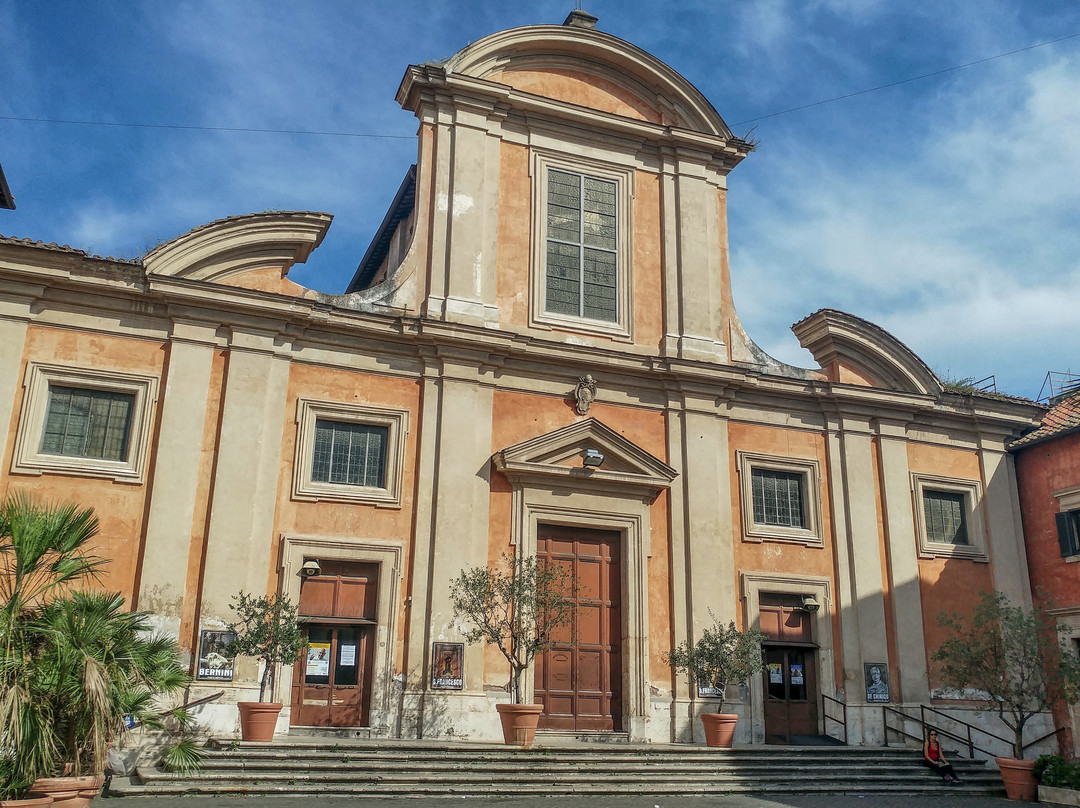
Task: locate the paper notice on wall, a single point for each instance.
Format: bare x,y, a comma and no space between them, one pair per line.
318,659
776,673
348,656
796,674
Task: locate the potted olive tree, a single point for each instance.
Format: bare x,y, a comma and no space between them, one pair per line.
266,629
723,656
73,664
518,607
1012,662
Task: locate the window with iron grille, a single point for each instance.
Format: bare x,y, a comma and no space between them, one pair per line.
87,423
581,238
778,498
1068,528
946,517
349,454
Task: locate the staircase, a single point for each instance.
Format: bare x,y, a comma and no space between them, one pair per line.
390,768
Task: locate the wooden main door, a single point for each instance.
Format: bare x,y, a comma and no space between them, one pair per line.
332,682
580,685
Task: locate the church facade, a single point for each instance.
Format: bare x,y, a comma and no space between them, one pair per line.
539,355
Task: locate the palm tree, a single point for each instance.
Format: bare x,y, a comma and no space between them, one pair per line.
43,550
72,663
103,664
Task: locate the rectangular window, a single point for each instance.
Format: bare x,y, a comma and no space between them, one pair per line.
87,423
946,517
949,519
581,241
349,454
1068,528
778,498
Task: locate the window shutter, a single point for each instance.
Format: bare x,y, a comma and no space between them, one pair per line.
1065,539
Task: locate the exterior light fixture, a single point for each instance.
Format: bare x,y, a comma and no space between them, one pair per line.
810,604
594,458
310,569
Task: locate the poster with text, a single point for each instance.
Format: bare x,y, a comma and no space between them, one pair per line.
877,681
318,659
215,662
447,664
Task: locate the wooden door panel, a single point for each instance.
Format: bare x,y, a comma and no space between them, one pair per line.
317,596
352,598
590,626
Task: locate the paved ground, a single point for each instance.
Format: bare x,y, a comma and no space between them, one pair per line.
732,801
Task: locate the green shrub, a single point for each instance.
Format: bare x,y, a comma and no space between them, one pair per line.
1057,772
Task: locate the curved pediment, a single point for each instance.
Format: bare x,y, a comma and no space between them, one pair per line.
558,457
592,69
222,250
849,346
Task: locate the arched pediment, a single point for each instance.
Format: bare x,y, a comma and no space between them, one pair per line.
590,68
229,247
556,459
836,338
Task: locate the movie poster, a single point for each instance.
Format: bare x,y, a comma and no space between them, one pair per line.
447,664
215,663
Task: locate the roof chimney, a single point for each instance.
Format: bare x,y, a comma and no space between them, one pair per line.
581,19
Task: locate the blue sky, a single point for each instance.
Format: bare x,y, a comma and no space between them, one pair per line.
946,210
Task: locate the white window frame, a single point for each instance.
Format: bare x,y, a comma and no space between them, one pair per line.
971,490
396,422
39,377
623,177
809,469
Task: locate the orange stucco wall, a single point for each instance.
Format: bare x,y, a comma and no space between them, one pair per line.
348,520
120,507
771,556
947,585
514,253
267,280
520,416
583,89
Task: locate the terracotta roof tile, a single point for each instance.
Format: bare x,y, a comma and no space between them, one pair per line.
64,248
1064,417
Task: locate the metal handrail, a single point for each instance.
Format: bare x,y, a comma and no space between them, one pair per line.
827,718
1056,732
966,740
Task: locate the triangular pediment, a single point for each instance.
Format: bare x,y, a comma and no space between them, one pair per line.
558,458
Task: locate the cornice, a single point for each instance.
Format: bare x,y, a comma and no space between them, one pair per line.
425,86
308,322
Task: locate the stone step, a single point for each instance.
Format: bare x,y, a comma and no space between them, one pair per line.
775,768
554,788
426,768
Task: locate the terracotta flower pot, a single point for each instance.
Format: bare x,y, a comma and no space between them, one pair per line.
29,802
1019,778
719,728
258,719
519,722
68,792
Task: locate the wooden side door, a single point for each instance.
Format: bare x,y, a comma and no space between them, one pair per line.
790,686
332,683
580,685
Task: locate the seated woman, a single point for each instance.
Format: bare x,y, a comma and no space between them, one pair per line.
934,758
